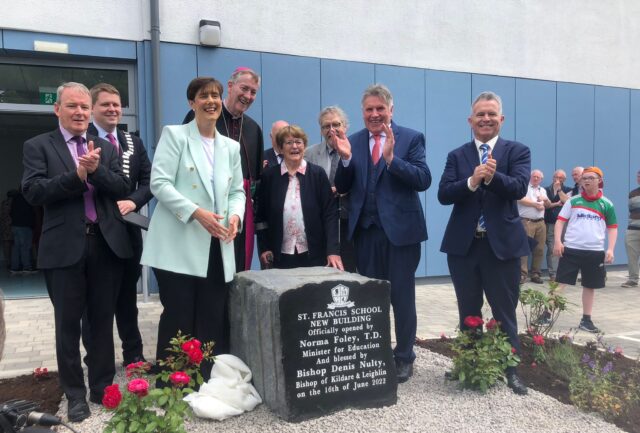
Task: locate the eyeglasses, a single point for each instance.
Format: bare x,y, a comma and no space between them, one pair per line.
334,125
292,142
589,178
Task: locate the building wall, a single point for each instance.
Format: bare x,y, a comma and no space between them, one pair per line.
580,41
564,123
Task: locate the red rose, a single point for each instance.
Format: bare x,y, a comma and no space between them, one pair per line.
195,356
179,378
534,365
491,324
538,340
188,346
139,387
513,350
112,396
473,321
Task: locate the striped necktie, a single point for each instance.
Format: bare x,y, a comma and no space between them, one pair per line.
483,159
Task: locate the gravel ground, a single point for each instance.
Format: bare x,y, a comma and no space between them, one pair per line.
427,403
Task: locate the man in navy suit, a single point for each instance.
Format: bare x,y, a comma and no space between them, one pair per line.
271,157
485,239
383,168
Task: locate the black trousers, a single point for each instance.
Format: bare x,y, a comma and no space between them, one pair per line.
347,250
196,306
90,285
481,272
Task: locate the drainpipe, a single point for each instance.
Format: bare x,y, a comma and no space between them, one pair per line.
155,69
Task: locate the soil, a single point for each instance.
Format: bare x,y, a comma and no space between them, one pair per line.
543,379
44,391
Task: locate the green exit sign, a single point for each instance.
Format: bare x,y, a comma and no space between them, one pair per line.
47,95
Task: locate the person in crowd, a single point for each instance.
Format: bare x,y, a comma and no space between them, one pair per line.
484,239
632,236
197,179
6,236
297,217
333,119
383,168
557,193
531,210
576,173
77,178
589,217
242,90
22,223
107,112
272,156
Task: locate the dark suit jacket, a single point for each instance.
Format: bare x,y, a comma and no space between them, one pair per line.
397,185
50,180
497,201
269,155
137,168
318,208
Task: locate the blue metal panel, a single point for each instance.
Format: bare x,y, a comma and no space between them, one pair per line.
506,89
221,62
407,86
634,139
536,123
1,39
342,83
575,126
144,95
448,107
178,66
611,151
79,45
291,91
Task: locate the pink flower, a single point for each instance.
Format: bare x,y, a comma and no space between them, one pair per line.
138,368
534,365
513,350
195,356
188,346
538,340
179,378
112,396
473,321
491,324
139,387
443,336
618,352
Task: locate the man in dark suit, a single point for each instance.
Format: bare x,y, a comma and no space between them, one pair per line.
383,168
77,178
484,238
242,90
333,118
271,157
107,112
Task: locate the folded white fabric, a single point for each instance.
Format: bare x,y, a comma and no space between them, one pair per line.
228,393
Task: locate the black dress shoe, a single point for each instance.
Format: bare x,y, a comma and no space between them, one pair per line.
404,370
536,279
78,410
96,398
516,385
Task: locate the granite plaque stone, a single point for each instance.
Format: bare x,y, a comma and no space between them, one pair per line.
316,339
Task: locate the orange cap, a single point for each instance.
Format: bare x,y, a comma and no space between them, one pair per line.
595,170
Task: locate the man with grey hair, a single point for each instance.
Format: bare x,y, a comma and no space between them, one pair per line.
557,194
78,179
271,157
333,119
484,239
531,209
383,168
576,175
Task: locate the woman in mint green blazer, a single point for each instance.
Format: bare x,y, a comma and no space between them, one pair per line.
197,179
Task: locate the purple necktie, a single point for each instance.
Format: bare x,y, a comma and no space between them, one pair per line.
89,203
113,141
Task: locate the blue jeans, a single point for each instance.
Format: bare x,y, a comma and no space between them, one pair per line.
21,252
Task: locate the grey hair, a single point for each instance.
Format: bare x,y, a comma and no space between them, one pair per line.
71,85
235,76
334,109
380,91
488,96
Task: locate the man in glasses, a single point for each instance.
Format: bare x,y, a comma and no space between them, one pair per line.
590,217
333,120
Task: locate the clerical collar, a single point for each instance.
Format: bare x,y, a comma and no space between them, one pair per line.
224,106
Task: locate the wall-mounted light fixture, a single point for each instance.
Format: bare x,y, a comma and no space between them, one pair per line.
210,33
51,47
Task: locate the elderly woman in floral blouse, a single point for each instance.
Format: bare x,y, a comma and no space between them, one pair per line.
296,222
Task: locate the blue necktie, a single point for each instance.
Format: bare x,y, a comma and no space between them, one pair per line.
483,159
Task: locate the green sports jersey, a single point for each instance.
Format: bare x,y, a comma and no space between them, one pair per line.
587,221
